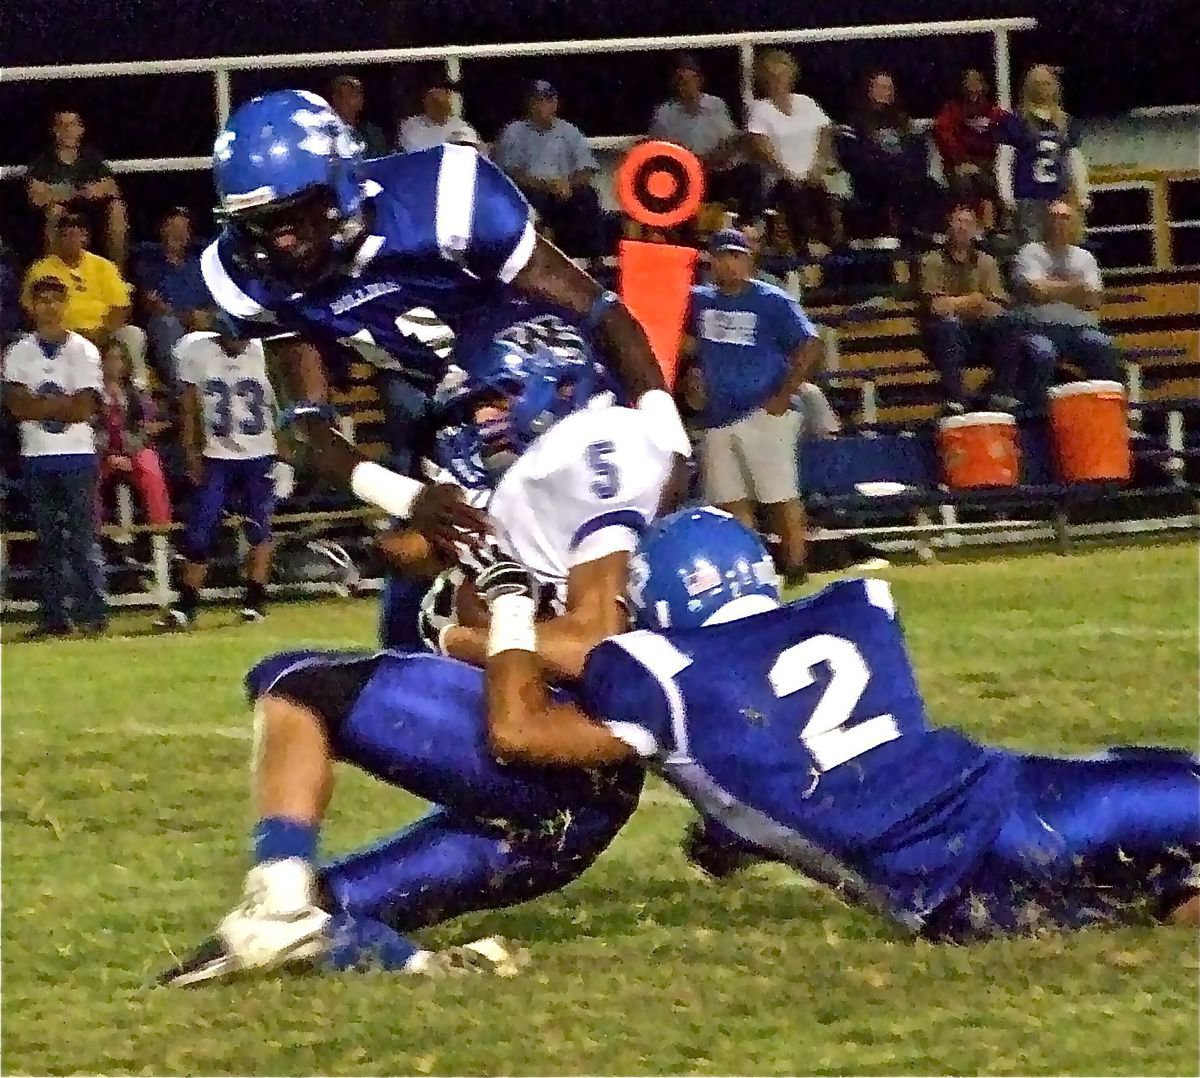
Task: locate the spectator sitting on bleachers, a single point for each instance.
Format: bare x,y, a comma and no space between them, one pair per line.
1039,160
346,98
701,123
888,163
98,299
126,432
436,123
170,287
965,131
10,291
72,178
791,135
52,386
965,319
551,162
753,349
1060,283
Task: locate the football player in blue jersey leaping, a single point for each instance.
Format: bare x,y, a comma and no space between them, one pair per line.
800,733
341,251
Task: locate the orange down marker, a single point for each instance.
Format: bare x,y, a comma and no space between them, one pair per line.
659,185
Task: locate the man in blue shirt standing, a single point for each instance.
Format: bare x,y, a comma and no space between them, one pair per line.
550,161
754,348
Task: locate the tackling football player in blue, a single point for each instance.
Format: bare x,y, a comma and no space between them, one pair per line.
341,251
799,731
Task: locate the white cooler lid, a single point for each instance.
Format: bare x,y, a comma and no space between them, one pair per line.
977,419
1079,389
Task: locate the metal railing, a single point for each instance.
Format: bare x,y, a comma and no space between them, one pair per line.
453,56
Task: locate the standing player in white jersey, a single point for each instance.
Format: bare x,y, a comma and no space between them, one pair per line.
340,252
229,442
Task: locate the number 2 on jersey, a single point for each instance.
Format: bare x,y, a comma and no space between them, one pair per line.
824,735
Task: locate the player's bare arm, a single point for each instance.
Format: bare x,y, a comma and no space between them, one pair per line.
594,612
524,724
550,275
25,405
437,511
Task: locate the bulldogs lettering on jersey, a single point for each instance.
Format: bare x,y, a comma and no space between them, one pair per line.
811,742
239,404
583,490
448,232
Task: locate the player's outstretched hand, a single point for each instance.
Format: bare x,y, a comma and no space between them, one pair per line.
437,613
440,514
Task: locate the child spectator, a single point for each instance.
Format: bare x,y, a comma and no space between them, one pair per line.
1039,160
127,430
52,386
965,132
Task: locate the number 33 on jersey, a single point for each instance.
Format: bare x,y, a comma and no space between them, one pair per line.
238,401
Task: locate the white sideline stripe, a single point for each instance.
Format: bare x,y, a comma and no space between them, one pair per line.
1086,629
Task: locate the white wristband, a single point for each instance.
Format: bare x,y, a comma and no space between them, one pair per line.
667,427
512,627
385,489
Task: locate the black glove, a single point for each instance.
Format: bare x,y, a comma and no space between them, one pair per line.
437,611
506,577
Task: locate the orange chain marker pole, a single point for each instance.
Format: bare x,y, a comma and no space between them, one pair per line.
659,185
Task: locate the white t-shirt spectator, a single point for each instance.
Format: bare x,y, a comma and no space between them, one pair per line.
795,136
43,369
239,404
1035,262
419,132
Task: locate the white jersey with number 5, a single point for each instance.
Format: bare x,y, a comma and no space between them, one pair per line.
239,404
585,489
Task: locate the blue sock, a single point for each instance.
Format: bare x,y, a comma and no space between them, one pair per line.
359,943
276,838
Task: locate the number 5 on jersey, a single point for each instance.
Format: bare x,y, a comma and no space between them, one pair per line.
605,481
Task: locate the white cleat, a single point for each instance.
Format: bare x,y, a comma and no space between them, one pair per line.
277,922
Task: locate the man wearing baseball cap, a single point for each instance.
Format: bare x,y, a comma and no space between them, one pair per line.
438,122
550,161
754,348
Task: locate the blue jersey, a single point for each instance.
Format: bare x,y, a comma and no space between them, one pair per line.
744,344
802,730
447,233
1041,159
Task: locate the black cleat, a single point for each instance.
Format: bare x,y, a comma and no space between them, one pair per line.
209,962
718,860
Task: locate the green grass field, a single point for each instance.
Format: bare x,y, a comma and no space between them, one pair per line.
125,815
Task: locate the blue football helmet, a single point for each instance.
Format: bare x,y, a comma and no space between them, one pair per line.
537,371
693,562
285,168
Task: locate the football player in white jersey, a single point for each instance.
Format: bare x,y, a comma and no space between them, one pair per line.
574,479
577,478
228,420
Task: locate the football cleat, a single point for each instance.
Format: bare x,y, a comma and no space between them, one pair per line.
252,615
493,955
174,620
276,922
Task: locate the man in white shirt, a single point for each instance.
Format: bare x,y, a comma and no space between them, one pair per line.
1060,283
52,387
437,123
701,123
792,136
